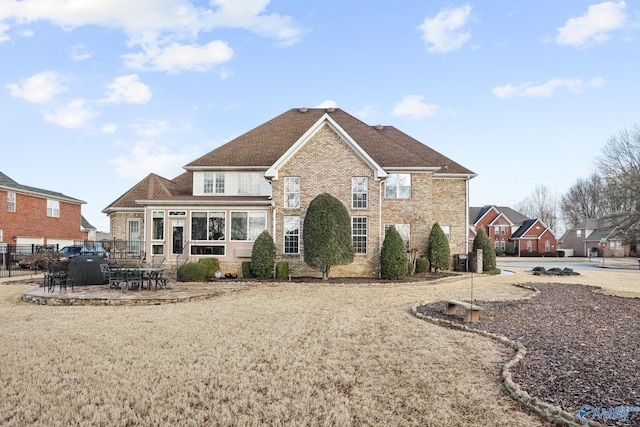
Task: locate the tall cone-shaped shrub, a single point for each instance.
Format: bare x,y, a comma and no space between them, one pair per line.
393,256
438,251
263,256
482,241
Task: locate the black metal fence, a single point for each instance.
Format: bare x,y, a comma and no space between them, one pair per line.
116,250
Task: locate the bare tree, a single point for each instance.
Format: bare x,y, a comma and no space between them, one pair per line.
585,199
541,204
619,165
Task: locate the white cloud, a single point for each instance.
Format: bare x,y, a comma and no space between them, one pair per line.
414,106
3,30
329,103
79,52
128,89
447,31
176,57
147,157
165,32
109,128
151,129
39,88
595,26
75,114
546,89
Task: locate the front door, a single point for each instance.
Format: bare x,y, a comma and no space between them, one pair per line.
177,237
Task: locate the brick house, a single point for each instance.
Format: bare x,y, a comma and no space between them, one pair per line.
266,178
34,216
503,225
587,237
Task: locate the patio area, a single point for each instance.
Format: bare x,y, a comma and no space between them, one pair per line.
103,295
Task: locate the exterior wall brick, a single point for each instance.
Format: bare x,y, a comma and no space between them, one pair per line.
30,219
326,164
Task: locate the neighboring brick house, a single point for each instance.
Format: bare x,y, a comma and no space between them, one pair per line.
588,237
33,216
266,178
503,225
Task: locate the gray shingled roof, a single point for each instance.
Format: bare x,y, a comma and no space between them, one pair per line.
475,213
11,185
265,144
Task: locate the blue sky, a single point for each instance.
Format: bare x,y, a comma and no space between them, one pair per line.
97,94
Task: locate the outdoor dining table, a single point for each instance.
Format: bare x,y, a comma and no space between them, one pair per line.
151,275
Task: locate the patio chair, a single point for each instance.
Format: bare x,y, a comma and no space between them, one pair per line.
134,279
113,276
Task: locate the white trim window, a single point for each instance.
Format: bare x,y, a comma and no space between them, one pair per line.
157,225
398,186
359,233
547,246
359,192
529,245
446,229
53,208
292,235
404,230
208,225
249,183
11,201
1,234
213,183
247,226
292,192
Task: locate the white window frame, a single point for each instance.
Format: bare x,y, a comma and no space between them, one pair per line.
292,192
578,233
250,214
357,235
359,192
291,223
529,246
157,215
547,245
1,234
53,208
397,187
213,183
209,215
11,201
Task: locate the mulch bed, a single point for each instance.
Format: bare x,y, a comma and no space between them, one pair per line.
583,348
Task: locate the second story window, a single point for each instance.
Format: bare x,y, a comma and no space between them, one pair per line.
213,183
292,192
398,186
53,208
11,201
359,192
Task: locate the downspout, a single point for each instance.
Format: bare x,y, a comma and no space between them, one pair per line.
466,221
380,226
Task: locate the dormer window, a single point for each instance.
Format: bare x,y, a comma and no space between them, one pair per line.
213,183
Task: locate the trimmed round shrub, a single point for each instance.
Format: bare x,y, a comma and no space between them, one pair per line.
393,256
211,265
282,270
326,234
263,256
191,272
246,270
422,265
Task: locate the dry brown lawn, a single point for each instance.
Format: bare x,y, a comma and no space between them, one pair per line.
291,354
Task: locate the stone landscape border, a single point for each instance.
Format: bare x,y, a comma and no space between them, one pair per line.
548,411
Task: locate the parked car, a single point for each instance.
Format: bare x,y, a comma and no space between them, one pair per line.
73,251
